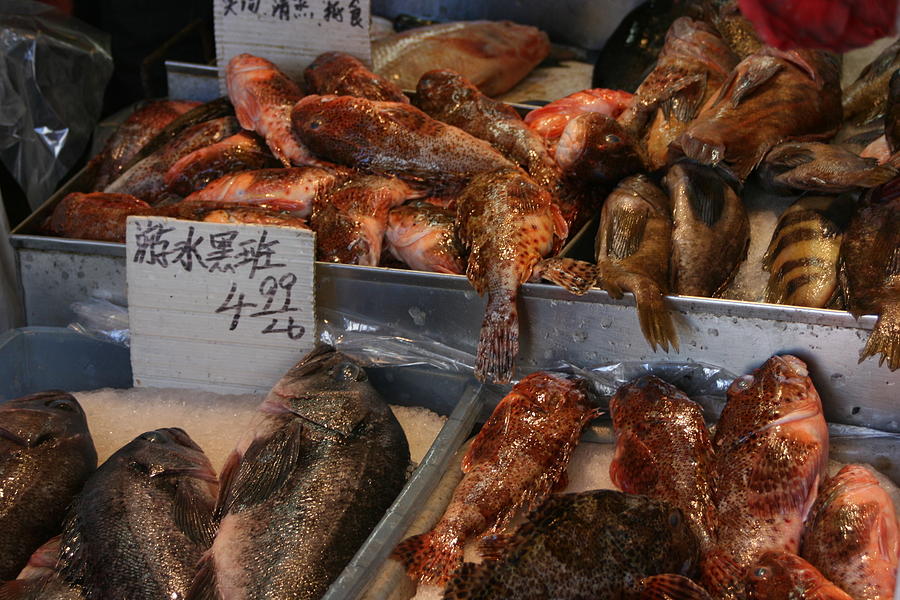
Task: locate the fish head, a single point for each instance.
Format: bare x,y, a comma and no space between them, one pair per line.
443,87
648,400
327,122
548,392
782,575
595,146
778,393
642,188
166,457
50,416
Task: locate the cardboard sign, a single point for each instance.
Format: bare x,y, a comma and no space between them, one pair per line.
222,307
290,33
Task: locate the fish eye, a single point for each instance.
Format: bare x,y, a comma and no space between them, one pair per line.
315,124
154,437
349,372
612,138
761,572
674,519
139,467
61,404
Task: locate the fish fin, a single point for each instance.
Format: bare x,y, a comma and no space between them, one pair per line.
576,276
885,337
226,481
193,515
74,564
793,156
429,558
204,585
488,441
499,341
561,483
757,75
873,176
670,587
775,289
493,547
476,270
265,466
633,467
466,582
780,460
625,232
608,276
653,316
721,575
6,434
707,196
685,101
23,590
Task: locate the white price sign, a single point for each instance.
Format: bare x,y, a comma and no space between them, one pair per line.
221,307
291,33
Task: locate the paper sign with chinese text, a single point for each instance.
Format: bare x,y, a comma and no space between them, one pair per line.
214,306
290,33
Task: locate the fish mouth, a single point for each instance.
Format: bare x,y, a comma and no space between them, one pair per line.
180,437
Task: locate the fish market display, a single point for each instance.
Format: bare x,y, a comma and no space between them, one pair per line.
423,236
852,535
597,150
46,455
142,522
660,459
494,55
138,129
306,486
633,249
802,258
782,575
515,461
350,221
793,95
243,151
391,138
341,74
263,97
550,120
823,168
711,230
597,544
870,271
866,99
95,216
771,450
146,179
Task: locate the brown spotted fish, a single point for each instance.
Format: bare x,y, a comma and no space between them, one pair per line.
423,236
771,451
514,462
786,576
852,535
802,258
341,74
95,216
663,451
596,544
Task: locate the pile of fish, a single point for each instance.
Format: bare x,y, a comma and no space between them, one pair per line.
296,499
747,512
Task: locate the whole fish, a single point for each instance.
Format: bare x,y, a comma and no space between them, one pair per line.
596,544
243,151
866,98
633,248
391,138
254,216
46,455
494,55
306,486
142,522
663,451
852,535
423,236
785,95
551,119
870,270
95,216
507,223
263,97
786,576
802,258
293,189
711,230
693,64
146,179
771,451
514,462
817,167
350,221
449,97
341,74
129,137
596,149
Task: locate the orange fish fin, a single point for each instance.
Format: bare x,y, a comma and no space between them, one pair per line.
885,337
577,276
775,462
561,483
493,547
721,575
476,270
499,341
429,558
633,467
560,227
490,438
466,582
670,587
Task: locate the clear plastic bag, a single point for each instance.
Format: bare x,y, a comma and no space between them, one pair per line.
102,320
53,73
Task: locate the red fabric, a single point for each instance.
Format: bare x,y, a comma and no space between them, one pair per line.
837,25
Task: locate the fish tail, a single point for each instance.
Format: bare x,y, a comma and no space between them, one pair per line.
654,317
671,587
467,582
428,558
885,338
499,342
577,276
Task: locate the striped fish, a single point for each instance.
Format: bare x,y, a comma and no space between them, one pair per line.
803,254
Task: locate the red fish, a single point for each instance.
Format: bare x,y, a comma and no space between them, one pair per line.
95,216
551,120
254,216
663,451
263,97
771,450
786,576
514,462
423,236
341,74
852,535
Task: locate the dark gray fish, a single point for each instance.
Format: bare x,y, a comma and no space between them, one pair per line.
142,521
634,244
817,167
711,232
866,98
597,544
802,258
146,179
306,486
46,455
